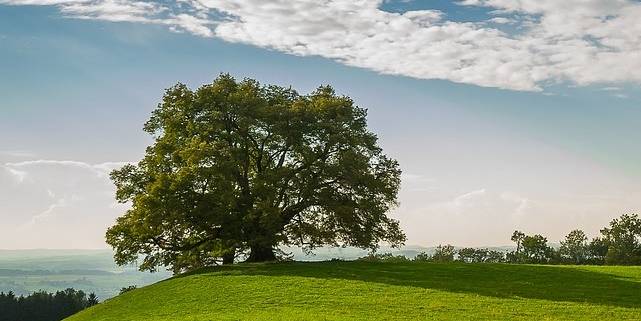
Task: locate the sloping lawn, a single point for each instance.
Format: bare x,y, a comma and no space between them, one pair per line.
383,291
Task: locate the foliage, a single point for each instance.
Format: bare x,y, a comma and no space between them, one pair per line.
422,257
517,237
236,166
383,257
127,289
575,248
620,244
535,249
474,255
468,255
622,237
444,253
92,300
360,290
531,249
598,250
44,306
495,257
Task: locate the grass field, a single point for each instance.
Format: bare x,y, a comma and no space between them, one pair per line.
383,291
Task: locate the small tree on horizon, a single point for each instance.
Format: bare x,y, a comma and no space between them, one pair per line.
623,237
574,248
444,253
517,237
536,249
237,166
467,255
531,249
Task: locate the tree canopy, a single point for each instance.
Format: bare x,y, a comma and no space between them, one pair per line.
530,249
623,239
238,167
575,247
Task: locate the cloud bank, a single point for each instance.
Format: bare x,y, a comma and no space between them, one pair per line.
523,45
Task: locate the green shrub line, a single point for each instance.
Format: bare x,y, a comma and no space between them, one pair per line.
619,244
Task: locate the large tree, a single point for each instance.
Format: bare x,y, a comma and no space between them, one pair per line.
239,167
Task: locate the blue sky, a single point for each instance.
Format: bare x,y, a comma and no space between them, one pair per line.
554,148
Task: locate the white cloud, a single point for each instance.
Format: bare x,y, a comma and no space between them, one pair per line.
576,41
63,202
523,203
40,2
502,20
56,204
17,174
113,10
148,12
459,203
101,170
189,23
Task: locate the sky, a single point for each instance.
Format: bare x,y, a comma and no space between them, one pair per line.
502,114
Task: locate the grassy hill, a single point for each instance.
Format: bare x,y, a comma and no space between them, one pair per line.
383,291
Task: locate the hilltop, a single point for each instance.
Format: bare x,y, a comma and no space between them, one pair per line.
383,291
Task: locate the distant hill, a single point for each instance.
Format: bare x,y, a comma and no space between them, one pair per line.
56,260
383,291
25,271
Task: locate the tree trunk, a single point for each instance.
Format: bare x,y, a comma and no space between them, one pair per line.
261,253
228,258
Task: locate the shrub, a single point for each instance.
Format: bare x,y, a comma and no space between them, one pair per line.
128,288
423,257
384,257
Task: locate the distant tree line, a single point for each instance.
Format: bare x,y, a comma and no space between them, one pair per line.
618,244
444,254
44,306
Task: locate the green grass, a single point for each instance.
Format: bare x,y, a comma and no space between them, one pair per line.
383,291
